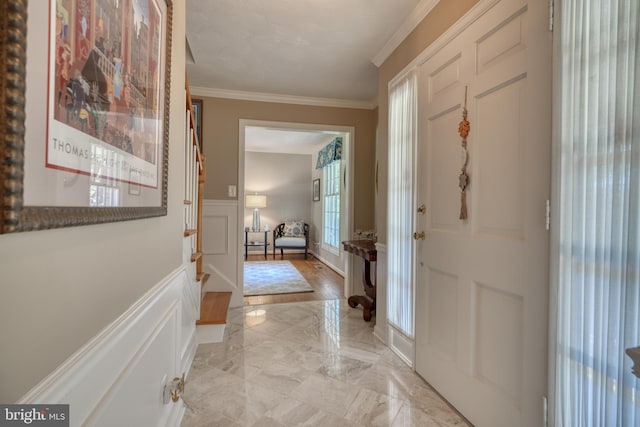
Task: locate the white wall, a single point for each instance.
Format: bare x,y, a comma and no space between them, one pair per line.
286,181
59,288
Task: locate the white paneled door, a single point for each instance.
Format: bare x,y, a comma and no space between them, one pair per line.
482,283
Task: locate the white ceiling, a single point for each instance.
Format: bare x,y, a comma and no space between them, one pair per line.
303,48
292,141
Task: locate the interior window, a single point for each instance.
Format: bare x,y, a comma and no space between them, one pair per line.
331,207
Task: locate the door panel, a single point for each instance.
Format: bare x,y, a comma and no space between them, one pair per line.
443,313
444,157
482,283
499,161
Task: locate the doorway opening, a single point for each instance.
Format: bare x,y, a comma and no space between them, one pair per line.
277,161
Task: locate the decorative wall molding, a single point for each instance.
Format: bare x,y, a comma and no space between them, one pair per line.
109,380
218,280
221,247
212,202
472,15
408,25
283,99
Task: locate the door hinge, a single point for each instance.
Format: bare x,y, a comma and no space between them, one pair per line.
547,222
551,11
545,412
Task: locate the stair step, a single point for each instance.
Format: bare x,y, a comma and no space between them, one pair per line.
202,278
214,307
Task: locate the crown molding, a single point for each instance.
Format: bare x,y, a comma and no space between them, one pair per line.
282,99
471,16
409,24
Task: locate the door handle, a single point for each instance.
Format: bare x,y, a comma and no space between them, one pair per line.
174,390
422,209
418,235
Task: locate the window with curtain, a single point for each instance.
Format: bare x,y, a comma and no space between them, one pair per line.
401,151
331,207
597,290
329,161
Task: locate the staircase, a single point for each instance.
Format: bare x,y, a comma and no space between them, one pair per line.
213,305
213,317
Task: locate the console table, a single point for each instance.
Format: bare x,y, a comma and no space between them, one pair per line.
247,243
365,249
634,354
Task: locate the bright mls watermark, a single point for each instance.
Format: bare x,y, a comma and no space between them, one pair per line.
34,415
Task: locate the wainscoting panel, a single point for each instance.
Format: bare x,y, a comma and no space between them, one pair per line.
220,247
118,377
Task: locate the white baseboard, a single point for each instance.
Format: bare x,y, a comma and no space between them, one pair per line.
118,377
401,345
208,334
328,264
380,332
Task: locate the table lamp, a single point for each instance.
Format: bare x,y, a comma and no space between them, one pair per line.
256,201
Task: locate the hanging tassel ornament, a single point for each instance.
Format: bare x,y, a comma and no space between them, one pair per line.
463,179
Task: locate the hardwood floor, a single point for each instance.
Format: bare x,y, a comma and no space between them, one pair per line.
326,283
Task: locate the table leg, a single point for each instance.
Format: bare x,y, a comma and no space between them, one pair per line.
368,302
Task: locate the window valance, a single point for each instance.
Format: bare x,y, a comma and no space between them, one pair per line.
330,153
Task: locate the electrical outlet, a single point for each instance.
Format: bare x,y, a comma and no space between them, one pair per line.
232,191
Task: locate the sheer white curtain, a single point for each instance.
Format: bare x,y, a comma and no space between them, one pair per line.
402,135
597,290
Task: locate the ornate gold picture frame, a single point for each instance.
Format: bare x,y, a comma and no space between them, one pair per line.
17,213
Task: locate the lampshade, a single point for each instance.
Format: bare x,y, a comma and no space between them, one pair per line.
255,201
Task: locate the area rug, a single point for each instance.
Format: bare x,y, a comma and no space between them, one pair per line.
273,277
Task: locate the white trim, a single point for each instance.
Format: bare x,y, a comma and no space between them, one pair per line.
380,330
554,230
189,352
221,282
169,319
282,99
209,334
333,250
324,245
416,16
103,377
214,202
402,345
472,15
348,147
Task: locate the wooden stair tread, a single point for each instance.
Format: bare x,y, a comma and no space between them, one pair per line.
202,278
213,309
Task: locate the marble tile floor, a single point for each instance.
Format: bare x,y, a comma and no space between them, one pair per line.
313,363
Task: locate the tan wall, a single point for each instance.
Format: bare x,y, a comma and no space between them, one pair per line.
443,15
220,133
60,288
286,180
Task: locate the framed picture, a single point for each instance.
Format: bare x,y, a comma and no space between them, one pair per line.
196,104
316,190
85,127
